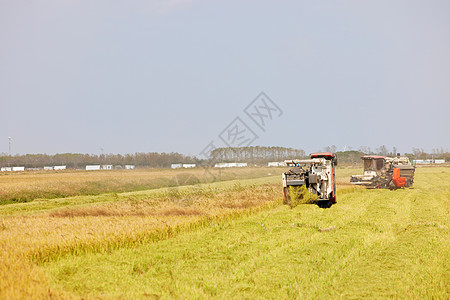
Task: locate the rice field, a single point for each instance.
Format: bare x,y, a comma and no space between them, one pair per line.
231,239
31,185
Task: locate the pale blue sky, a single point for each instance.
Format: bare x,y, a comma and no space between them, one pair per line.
140,76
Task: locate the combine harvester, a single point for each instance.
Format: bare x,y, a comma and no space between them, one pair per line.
316,174
385,172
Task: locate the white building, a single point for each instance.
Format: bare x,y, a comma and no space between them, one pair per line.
59,167
130,167
48,168
18,169
6,169
276,164
421,161
176,166
230,165
107,167
428,161
221,165
92,167
187,166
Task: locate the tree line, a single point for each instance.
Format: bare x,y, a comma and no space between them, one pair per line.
255,154
417,153
353,156
258,155
79,161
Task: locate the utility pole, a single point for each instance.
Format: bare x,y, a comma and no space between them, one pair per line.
9,140
102,156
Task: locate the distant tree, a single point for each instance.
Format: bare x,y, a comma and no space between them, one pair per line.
349,157
437,151
331,148
365,149
394,151
382,150
418,152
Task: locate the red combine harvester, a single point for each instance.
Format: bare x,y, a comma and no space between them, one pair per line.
317,174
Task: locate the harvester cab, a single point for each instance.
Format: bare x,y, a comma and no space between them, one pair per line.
317,174
374,170
385,172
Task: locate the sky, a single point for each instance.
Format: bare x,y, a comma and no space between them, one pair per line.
111,76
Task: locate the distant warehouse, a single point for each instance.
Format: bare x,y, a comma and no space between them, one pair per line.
98,167
187,166
12,169
92,167
428,161
276,164
49,168
230,165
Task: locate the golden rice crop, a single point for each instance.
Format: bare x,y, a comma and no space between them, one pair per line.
27,186
40,231
28,239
